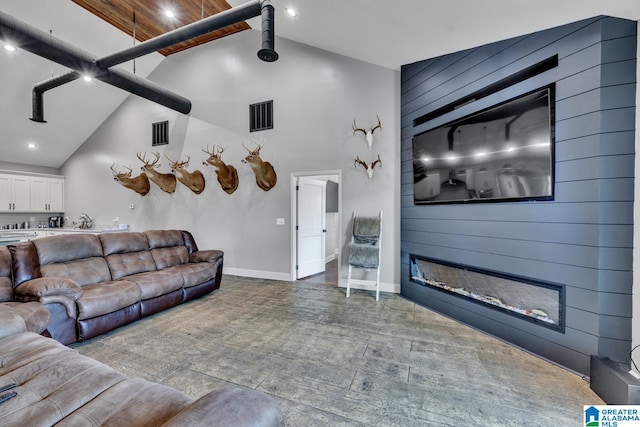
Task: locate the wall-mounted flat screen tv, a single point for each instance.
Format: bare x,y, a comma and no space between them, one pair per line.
502,153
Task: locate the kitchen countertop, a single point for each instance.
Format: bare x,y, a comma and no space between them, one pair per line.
96,229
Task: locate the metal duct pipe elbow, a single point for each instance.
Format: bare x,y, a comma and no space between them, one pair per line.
37,102
268,52
37,106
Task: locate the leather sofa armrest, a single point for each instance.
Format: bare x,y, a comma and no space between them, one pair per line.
211,255
49,286
51,290
230,407
10,322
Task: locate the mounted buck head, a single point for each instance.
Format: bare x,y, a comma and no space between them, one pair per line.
139,184
166,181
265,174
193,180
368,167
368,134
227,174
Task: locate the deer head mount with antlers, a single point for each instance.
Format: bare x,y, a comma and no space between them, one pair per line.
265,174
368,134
192,180
166,181
227,174
139,184
368,167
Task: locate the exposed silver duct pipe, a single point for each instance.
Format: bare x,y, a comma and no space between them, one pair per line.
49,47
45,45
268,53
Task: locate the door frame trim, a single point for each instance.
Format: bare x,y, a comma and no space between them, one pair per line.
294,208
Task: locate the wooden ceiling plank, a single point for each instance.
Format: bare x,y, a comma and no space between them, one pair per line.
150,21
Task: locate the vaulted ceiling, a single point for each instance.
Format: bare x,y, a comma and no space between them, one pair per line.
388,34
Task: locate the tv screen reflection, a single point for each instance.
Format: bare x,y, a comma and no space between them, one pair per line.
503,153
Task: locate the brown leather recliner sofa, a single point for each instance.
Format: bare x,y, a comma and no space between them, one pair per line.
55,385
92,284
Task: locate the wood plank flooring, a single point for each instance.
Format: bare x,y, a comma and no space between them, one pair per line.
332,361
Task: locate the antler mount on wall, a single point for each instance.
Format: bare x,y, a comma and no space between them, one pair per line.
368,134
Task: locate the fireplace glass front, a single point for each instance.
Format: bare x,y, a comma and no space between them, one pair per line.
535,301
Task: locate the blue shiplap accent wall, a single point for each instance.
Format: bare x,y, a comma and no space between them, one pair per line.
582,239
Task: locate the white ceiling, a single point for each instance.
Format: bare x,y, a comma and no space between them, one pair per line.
368,30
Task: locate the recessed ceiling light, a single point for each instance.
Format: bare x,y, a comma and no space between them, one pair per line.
169,13
31,145
291,12
9,48
87,78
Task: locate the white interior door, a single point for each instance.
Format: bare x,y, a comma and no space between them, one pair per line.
311,216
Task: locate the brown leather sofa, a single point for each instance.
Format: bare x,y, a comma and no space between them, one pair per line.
55,385
92,284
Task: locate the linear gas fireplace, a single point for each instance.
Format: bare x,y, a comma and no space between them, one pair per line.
535,301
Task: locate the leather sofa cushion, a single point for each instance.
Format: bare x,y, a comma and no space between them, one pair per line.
133,402
5,262
170,256
123,242
6,289
106,297
157,283
10,323
164,238
35,315
82,271
67,247
25,262
53,381
195,273
125,264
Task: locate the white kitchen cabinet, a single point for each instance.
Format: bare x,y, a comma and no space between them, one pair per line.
47,194
15,193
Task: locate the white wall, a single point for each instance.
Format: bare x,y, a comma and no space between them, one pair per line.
316,94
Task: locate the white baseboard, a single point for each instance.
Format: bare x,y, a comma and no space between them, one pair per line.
368,285
329,258
257,274
272,275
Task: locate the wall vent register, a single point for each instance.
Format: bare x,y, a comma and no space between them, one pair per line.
160,133
261,116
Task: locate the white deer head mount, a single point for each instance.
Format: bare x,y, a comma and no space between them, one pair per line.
368,167
368,134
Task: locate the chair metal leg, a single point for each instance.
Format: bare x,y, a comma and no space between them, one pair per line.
349,282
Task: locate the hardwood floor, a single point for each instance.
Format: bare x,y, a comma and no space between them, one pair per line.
332,361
